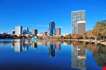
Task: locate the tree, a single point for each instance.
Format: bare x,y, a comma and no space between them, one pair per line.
100,29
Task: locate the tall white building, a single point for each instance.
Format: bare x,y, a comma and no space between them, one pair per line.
18,30
78,19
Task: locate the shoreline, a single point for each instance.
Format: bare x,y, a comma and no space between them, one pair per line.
89,40
82,40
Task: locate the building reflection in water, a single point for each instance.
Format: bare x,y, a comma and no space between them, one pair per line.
20,45
58,45
34,44
79,51
53,48
78,56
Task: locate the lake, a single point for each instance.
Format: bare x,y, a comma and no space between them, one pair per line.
22,54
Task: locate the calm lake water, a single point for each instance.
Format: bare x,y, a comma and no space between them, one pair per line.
43,55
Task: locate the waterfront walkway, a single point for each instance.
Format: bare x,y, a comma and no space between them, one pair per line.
90,40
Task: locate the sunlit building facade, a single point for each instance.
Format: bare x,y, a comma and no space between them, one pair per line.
78,19
18,30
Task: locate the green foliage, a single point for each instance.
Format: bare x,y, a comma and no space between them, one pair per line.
100,28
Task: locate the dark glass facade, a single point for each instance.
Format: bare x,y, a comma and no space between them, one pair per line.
52,28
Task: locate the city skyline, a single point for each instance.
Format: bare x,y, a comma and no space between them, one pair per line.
38,13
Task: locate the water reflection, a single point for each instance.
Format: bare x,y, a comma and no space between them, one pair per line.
100,55
34,45
78,56
84,55
5,42
20,45
52,49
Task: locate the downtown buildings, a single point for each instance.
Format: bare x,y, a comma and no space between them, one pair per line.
53,31
78,19
20,31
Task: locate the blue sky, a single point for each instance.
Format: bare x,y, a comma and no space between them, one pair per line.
38,13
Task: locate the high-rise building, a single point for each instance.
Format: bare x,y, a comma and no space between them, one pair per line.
26,31
52,28
58,31
78,19
18,30
34,32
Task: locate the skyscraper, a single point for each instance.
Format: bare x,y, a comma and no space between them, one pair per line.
34,32
52,28
78,21
18,30
58,31
26,31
